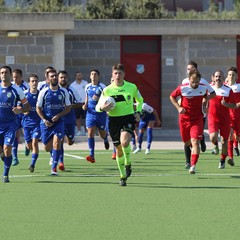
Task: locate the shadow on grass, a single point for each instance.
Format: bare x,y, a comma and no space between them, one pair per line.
154,185
235,176
75,182
138,185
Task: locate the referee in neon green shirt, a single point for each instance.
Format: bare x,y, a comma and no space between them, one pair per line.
122,118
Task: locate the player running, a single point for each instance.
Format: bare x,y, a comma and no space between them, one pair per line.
122,119
31,122
52,104
9,97
95,120
190,113
147,119
70,118
218,114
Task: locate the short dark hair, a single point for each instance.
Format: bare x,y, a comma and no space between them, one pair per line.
9,68
32,75
192,63
234,69
95,70
49,68
118,66
52,70
62,72
18,71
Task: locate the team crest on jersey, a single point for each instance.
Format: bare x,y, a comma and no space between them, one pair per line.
97,91
9,94
34,97
140,68
128,97
60,97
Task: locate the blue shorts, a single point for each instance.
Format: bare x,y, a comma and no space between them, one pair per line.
19,121
48,132
7,135
31,132
144,122
69,130
98,120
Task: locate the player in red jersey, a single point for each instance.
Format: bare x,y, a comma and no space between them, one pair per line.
193,65
190,113
234,113
218,114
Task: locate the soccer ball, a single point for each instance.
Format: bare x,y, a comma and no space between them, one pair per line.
108,99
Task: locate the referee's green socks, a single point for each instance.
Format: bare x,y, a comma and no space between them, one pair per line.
126,152
121,167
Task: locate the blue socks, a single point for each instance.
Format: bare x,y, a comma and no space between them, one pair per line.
140,139
61,154
7,165
149,137
55,155
91,145
34,158
15,148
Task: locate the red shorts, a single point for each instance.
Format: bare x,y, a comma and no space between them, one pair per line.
191,129
214,126
235,125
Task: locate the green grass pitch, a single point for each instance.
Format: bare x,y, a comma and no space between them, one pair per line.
161,201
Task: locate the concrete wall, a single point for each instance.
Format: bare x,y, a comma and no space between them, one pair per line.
82,53
29,53
211,53
58,40
40,42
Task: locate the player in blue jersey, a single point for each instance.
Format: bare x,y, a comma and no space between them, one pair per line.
17,76
94,120
70,118
52,104
46,82
148,117
42,85
10,95
31,121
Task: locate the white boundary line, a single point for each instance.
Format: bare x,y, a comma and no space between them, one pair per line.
74,156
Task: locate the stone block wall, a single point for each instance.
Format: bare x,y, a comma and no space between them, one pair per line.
82,53
211,53
32,52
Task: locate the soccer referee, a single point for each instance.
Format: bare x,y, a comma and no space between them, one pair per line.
122,118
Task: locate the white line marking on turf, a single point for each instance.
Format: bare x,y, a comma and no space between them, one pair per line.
74,156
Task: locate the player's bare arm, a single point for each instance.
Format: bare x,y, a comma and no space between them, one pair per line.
180,109
59,115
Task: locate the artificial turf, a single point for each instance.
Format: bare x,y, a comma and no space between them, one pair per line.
161,200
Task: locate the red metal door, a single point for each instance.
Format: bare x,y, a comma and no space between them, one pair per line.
141,56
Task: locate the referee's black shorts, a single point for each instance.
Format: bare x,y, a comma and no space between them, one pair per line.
119,124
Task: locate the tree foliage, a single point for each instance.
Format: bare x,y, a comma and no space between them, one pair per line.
146,9
119,9
105,9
